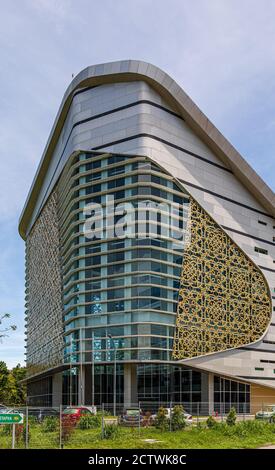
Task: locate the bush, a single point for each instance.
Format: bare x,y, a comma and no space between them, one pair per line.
68,426
50,424
231,417
103,413
254,426
178,420
6,429
89,422
211,422
32,420
24,435
199,427
147,419
162,421
110,431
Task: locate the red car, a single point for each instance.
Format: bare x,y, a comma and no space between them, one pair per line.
74,414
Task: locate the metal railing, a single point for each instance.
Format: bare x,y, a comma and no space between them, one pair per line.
61,427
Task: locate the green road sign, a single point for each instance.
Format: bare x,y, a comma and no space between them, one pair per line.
11,418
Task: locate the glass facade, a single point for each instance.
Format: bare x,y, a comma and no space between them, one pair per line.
126,287
156,383
229,393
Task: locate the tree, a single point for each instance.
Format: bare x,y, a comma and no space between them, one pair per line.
17,390
231,417
4,331
4,374
161,419
178,419
12,391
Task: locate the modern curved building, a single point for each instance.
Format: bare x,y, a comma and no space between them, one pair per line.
150,251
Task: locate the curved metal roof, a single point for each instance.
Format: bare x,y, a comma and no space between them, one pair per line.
132,70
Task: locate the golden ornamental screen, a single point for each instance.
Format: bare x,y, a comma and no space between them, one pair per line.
224,300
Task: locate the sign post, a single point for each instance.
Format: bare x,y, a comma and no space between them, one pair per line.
13,436
13,419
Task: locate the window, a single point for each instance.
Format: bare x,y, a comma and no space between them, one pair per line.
93,165
262,222
115,306
116,171
260,250
115,159
116,183
115,257
115,294
259,368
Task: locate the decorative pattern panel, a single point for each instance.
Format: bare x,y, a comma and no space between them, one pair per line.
44,292
224,300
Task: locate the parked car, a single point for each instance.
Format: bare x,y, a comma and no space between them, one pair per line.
131,417
3,408
168,411
39,413
74,414
268,414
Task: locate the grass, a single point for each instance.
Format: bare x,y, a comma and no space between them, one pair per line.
244,435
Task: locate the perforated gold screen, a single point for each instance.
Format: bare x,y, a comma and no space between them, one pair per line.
224,301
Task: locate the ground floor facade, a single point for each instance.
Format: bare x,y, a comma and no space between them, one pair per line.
150,384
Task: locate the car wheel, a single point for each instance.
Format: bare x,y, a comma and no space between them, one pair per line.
272,420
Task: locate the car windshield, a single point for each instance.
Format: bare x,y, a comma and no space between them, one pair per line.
70,411
270,408
132,412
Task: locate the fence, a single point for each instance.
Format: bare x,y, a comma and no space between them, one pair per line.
62,427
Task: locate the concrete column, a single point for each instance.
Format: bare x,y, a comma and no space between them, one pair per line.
130,384
204,408
88,385
211,392
57,389
81,385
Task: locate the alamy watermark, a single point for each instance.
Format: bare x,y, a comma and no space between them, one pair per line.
138,219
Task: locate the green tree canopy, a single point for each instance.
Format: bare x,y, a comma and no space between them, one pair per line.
12,391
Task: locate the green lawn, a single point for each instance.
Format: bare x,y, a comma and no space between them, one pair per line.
242,435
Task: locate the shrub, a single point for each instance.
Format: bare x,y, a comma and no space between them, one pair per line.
147,419
162,421
25,432
32,420
89,422
103,413
254,426
50,424
6,429
178,420
110,431
231,417
211,422
68,426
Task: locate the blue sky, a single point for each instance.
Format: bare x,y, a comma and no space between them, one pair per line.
222,52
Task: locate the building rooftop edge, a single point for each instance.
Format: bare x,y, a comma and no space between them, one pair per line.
132,70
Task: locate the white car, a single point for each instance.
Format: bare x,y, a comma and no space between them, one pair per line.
268,414
168,411
92,409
